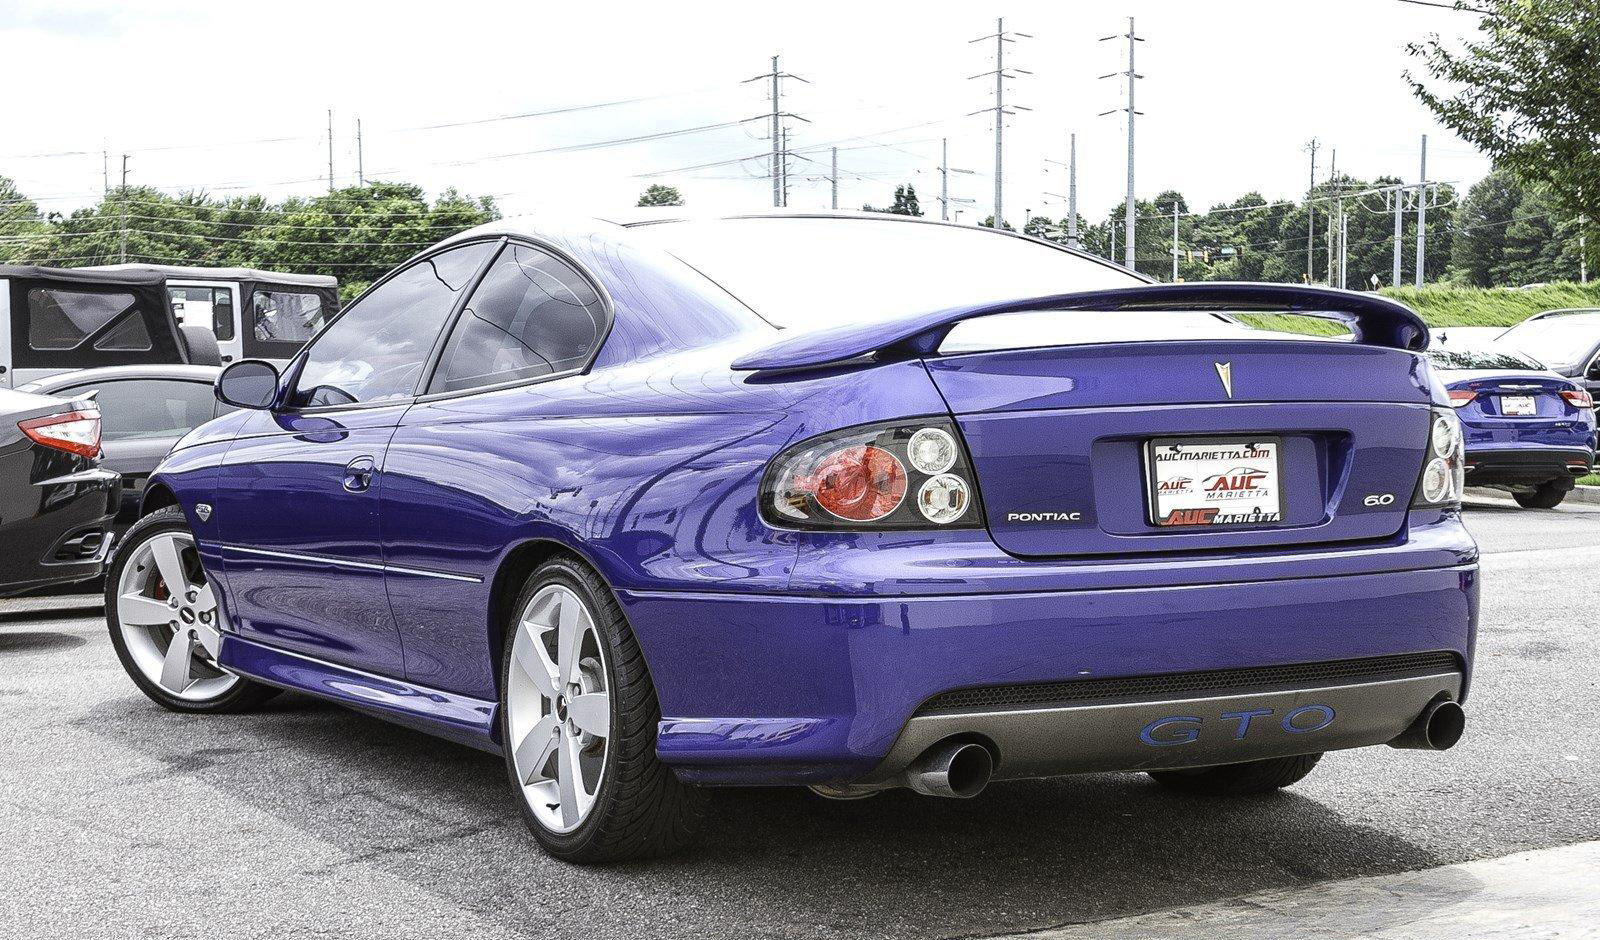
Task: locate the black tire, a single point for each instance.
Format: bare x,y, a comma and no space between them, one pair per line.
1544,496
641,808
1247,779
244,695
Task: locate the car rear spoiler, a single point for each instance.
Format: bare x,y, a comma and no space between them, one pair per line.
1375,320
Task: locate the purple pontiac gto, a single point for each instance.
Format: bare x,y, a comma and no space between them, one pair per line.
850,502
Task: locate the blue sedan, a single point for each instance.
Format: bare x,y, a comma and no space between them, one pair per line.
1527,429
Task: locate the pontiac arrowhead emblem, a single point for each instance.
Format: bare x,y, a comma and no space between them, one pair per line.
1225,373
203,510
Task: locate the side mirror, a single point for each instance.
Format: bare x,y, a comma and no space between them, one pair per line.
248,383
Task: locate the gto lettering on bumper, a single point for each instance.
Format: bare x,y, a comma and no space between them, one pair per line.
1185,729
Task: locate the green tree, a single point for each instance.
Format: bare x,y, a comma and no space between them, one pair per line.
19,218
658,195
905,202
1527,92
359,232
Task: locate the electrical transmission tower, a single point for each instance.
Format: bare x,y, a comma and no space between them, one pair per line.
779,133
1133,76
1071,198
945,169
1001,36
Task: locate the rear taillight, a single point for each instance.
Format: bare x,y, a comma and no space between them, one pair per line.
1461,397
76,432
905,475
1578,398
1444,466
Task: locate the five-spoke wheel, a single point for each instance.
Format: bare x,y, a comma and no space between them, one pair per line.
558,715
578,720
165,622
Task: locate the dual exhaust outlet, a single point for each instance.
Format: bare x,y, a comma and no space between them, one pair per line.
961,769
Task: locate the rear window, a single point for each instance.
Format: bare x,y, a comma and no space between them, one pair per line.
210,307
286,316
63,319
1559,341
813,273
1482,359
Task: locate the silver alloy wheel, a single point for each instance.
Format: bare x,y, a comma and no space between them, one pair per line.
558,708
169,618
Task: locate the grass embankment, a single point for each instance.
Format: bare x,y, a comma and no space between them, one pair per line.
1442,305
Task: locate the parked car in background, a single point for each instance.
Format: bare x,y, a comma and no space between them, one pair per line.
733,501
56,501
59,319
1527,429
144,410
254,314
1566,341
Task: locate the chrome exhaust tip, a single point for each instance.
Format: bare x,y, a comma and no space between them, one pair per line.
957,769
1438,728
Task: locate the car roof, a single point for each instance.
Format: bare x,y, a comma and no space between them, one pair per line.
1564,312
112,373
182,272
615,225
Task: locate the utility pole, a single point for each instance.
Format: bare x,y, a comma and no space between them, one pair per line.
783,166
1422,212
361,163
330,150
1072,191
776,117
834,177
1311,212
1000,73
105,169
945,169
1399,229
122,215
1133,77
1174,241
1333,216
1344,246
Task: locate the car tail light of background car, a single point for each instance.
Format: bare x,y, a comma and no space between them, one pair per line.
76,432
1576,397
1444,468
1461,397
902,475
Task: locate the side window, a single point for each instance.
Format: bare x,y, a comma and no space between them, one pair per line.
532,315
142,409
376,349
284,316
205,305
63,319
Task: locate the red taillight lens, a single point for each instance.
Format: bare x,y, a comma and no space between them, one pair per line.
1578,398
76,432
1461,396
857,483
908,474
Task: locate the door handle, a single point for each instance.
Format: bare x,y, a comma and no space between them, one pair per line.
358,474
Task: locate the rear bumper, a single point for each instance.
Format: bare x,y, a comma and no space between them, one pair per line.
1527,465
784,689
66,537
1195,730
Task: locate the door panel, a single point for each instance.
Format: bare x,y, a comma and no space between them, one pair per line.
304,565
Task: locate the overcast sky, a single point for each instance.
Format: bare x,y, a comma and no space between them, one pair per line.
232,98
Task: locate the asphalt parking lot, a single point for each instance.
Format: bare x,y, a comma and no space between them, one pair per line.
120,819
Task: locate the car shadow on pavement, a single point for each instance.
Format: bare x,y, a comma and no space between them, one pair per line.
772,862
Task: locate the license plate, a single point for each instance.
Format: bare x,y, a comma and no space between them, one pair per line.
1518,405
1213,481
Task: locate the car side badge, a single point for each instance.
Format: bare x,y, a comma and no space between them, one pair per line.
203,510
